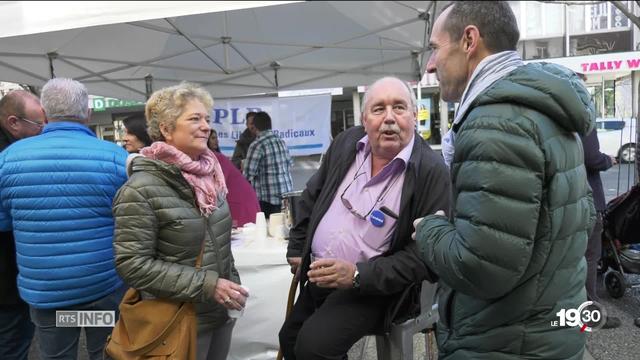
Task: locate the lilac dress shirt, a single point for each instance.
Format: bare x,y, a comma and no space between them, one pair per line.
343,235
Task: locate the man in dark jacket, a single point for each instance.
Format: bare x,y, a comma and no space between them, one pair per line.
511,257
21,116
359,268
595,162
242,145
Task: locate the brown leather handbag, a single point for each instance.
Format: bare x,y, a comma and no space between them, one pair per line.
154,328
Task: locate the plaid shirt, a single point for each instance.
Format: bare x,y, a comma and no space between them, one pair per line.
267,167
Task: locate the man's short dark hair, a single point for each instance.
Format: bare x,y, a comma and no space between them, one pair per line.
250,114
262,121
494,19
137,125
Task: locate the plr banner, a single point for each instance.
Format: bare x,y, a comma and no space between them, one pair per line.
303,122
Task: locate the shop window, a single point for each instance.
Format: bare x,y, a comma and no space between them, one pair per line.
341,120
533,19
541,48
600,43
608,108
538,19
598,17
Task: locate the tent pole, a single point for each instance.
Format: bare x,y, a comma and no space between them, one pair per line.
148,84
52,56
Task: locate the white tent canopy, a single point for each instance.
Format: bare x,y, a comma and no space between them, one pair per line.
293,46
32,17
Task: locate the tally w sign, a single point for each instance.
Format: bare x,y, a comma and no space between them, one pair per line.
303,122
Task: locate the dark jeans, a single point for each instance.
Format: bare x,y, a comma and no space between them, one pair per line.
592,255
16,331
61,343
324,324
269,209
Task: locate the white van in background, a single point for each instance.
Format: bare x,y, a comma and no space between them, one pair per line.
617,138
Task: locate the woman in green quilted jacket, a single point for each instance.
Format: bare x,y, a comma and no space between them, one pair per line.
172,206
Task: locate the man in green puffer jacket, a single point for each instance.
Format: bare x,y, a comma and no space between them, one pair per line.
512,254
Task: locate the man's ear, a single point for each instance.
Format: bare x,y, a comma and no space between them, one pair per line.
471,39
12,122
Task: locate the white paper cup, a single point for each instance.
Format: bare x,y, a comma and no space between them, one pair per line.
261,221
234,314
276,219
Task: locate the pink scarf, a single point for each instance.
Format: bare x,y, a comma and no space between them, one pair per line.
204,175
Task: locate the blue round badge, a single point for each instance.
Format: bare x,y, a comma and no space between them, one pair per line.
377,218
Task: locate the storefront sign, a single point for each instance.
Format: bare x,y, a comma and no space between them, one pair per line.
630,64
618,62
424,118
303,122
98,103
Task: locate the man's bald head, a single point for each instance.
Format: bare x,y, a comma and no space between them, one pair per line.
21,114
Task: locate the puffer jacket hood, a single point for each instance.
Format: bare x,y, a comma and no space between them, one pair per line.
549,88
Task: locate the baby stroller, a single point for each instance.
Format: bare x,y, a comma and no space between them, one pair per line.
621,241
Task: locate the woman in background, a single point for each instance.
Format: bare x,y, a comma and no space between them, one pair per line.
242,198
173,207
135,133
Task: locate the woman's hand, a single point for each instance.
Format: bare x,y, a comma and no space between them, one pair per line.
230,295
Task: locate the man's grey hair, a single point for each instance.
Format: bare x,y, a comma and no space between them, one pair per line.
412,95
65,99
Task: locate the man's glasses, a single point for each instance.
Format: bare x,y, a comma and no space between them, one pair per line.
381,196
35,123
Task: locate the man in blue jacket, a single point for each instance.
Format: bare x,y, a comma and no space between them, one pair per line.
56,191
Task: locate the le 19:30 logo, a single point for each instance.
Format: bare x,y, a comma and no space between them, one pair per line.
590,316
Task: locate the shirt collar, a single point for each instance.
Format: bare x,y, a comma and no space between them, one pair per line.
67,125
403,156
264,133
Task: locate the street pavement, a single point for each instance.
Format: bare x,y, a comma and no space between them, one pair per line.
620,344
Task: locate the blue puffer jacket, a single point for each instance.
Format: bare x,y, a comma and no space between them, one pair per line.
56,191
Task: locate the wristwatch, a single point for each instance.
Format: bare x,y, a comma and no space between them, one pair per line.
356,279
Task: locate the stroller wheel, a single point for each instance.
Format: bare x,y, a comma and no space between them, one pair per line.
615,284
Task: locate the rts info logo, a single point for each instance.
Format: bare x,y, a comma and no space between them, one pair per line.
590,316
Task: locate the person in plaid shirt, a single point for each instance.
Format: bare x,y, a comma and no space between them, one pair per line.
267,165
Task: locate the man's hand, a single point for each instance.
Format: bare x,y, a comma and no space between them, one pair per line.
419,220
614,161
294,262
332,273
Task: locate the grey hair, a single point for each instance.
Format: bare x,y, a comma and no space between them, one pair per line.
167,104
412,96
65,99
